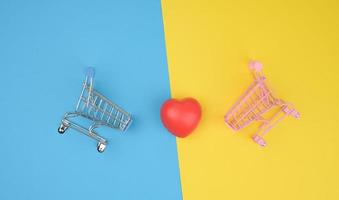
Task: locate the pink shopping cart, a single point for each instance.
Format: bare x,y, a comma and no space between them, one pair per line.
256,101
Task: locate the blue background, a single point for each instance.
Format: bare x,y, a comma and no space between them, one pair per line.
44,48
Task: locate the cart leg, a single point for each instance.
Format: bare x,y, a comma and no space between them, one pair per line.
267,126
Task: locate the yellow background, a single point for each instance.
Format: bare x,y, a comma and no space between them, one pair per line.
208,45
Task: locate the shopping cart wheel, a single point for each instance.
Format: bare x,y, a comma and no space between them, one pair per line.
259,140
101,147
62,128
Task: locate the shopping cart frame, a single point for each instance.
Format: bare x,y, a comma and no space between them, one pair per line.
257,100
95,107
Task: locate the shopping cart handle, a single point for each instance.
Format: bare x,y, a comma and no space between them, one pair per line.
90,72
255,66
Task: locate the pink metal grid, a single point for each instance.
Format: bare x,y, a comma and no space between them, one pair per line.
255,102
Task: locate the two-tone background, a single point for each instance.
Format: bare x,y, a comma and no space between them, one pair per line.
148,51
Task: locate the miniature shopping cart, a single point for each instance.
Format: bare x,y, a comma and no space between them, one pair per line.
99,110
258,100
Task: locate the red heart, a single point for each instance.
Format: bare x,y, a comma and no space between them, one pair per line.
181,117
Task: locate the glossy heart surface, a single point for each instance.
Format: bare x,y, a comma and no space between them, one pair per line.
181,117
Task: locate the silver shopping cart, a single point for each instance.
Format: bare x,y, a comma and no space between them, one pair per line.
98,109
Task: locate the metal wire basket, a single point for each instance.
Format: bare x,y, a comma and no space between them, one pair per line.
255,102
99,110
